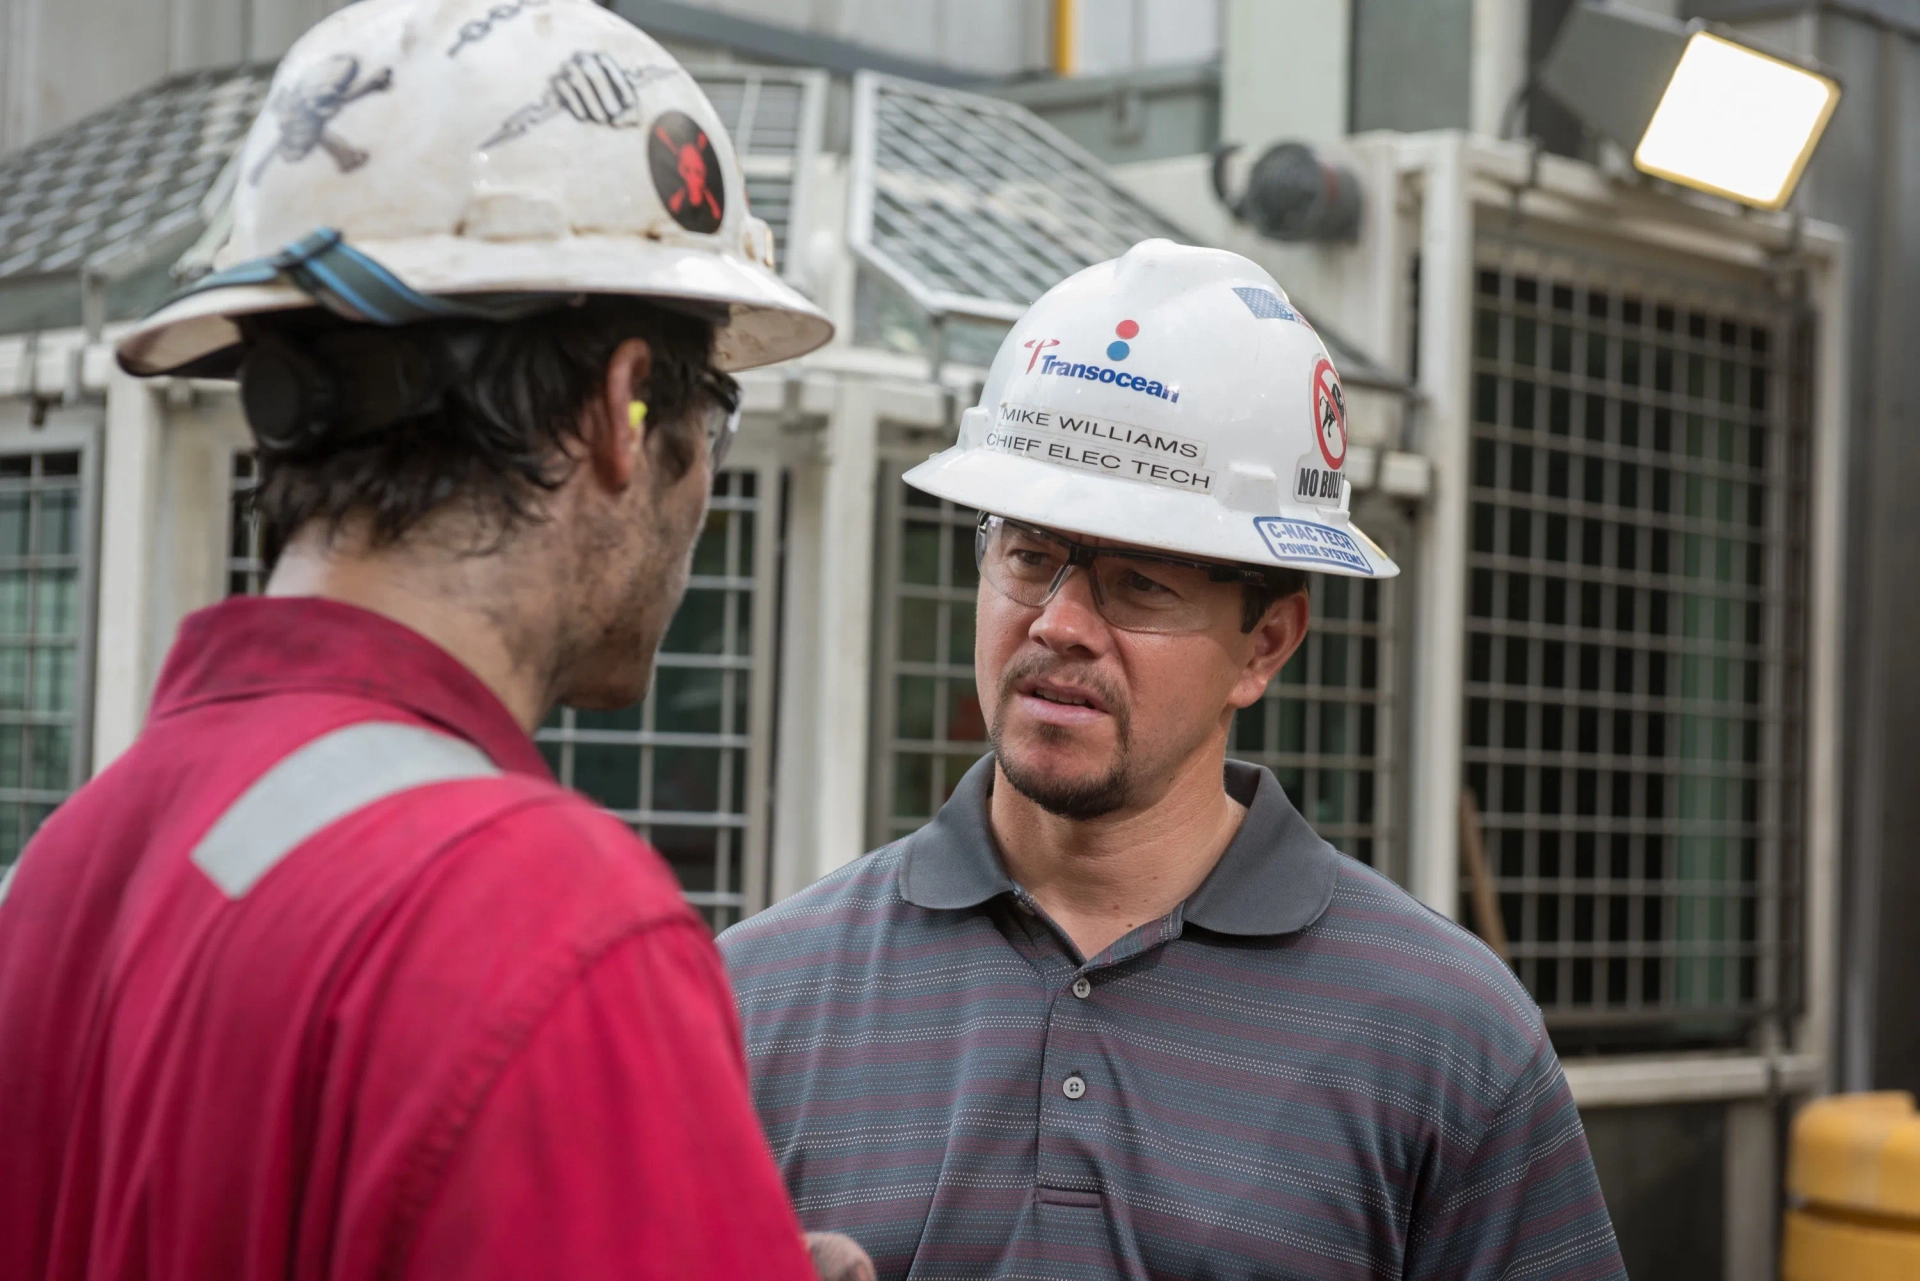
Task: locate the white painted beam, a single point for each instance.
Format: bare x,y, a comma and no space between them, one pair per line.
129,505
1637,1081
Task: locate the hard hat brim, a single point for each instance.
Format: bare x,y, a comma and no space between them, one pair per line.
1151,516
768,320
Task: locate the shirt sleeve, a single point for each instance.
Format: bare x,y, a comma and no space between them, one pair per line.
620,1142
1528,1203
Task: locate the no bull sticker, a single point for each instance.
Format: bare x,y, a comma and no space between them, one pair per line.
1329,413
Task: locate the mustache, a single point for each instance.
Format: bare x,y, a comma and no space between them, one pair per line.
1046,665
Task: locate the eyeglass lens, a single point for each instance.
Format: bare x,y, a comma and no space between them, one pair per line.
1133,594
722,427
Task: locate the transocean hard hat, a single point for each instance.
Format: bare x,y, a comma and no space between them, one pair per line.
484,159
1170,398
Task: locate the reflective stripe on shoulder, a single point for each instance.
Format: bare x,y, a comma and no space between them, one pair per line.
320,784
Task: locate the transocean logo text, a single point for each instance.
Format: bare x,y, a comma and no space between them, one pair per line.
1107,374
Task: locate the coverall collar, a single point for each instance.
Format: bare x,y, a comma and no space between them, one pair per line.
252,646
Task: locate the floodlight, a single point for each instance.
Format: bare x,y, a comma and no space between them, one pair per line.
1692,104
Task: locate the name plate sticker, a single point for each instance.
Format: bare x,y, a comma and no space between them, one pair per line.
1101,445
1297,540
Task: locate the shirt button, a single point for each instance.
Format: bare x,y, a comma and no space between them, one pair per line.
1082,988
1074,1086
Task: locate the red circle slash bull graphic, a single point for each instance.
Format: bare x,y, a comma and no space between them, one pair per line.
686,172
1329,413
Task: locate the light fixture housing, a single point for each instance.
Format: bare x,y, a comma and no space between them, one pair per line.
1693,104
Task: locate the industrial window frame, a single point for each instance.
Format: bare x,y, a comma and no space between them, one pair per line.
1665,924
1329,725
951,703
24,807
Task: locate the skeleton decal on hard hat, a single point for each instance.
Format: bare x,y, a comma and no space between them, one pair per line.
305,111
686,172
590,87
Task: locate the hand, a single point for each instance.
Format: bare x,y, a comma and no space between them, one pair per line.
839,1258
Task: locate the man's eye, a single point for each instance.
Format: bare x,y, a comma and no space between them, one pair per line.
1029,559
1139,583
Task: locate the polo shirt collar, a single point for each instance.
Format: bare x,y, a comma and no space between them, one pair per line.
1276,876
252,646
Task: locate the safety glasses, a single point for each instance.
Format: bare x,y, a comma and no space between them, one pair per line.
1133,591
721,413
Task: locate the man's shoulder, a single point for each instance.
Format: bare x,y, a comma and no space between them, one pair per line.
533,832
858,898
1401,953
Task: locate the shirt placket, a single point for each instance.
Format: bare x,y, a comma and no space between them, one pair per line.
1077,1089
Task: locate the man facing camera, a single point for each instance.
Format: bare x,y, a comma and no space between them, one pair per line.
1118,1011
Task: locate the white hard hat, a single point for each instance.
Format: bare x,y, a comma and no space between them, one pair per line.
463,157
1170,398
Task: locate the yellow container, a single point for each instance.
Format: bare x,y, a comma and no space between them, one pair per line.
1854,1172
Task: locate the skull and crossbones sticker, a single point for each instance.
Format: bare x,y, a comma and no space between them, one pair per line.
306,110
686,172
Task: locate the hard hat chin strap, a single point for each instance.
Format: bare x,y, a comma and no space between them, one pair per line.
353,286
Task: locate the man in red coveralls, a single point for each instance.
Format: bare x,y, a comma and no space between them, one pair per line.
326,978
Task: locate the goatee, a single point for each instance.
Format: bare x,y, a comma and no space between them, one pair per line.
1078,799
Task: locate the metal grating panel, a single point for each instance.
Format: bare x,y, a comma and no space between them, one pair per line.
774,118
1322,727
685,767
1635,589
762,110
136,169
930,728
975,206
44,624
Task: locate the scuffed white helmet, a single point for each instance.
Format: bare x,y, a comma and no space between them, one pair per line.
1170,398
486,151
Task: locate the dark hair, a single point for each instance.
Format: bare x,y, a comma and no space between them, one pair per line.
1277,584
497,438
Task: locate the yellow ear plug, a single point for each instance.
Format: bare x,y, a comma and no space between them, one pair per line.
636,413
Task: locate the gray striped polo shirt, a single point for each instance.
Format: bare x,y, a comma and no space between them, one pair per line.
1299,1072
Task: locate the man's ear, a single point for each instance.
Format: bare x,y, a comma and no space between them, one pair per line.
1275,637
614,428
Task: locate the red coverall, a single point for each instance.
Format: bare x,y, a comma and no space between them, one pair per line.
470,1031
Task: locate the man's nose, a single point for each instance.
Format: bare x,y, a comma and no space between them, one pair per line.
1070,620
